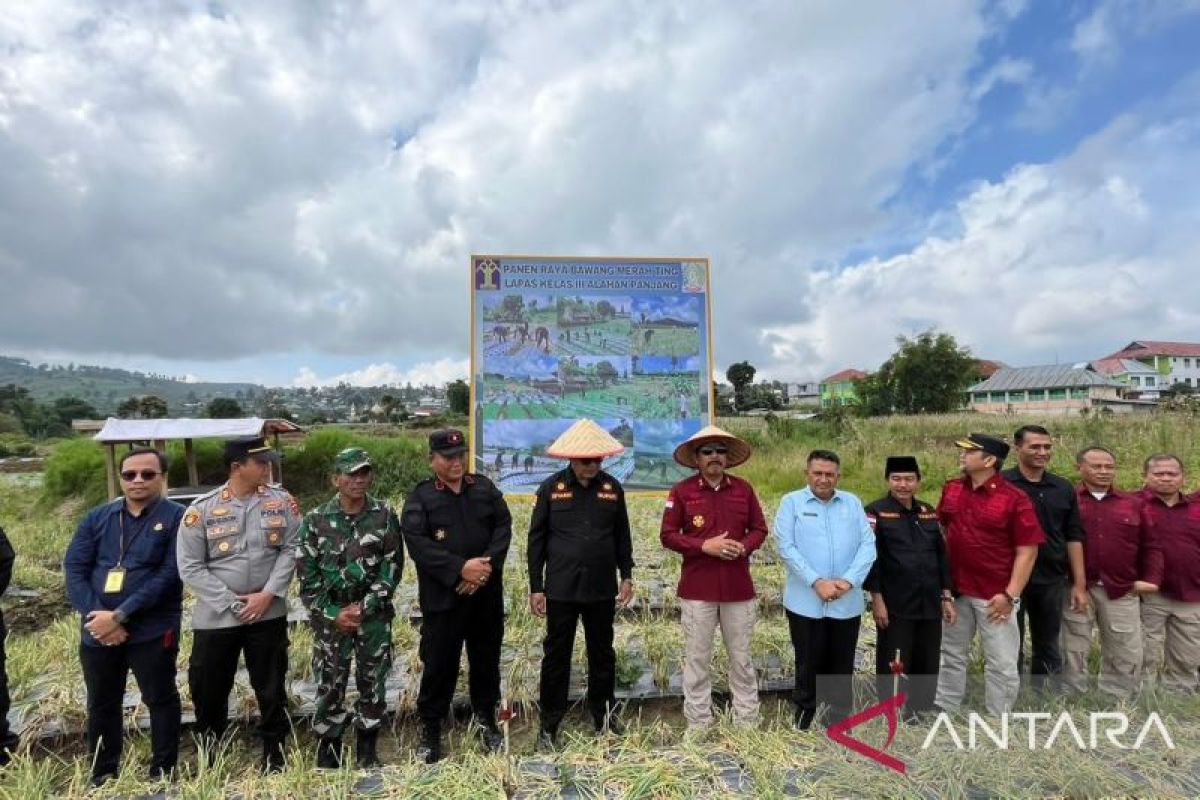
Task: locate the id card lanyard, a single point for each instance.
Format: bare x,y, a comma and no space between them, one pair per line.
115,580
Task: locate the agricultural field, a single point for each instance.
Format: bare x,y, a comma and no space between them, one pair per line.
641,397
607,338
655,759
664,340
509,399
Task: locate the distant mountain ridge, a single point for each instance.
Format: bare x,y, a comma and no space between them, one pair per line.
106,387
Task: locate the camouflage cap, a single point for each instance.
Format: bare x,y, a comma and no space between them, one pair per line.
352,459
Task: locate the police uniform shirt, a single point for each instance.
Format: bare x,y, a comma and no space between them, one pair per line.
444,530
911,568
579,538
229,547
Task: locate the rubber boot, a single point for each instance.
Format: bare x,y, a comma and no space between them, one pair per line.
329,753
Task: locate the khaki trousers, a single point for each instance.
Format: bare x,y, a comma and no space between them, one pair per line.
1001,643
1119,624
700,619
1171,636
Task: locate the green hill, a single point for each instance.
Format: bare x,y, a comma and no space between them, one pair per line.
106,387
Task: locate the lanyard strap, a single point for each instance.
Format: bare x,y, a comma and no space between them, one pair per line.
142,522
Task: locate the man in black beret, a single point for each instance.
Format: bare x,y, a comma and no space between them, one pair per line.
909,585
457,527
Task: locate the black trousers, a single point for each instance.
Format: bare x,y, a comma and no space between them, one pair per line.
1042,610
920,644
824,663
479,624
561,620
213,665
8,740
105,670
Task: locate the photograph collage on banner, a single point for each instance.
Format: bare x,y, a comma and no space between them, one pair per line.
623,342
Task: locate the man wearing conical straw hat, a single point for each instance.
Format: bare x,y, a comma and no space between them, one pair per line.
714,519
578,541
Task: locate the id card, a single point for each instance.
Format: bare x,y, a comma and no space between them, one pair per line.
115,580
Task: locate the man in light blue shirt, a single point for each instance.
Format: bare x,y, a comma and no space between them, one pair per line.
828,548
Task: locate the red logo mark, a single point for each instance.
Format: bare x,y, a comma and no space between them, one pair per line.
889,708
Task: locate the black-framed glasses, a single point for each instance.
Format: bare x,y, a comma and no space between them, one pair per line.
147,474
711,450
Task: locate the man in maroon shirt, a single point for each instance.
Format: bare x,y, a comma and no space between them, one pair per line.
1171,616
1121,559
715,521
992,537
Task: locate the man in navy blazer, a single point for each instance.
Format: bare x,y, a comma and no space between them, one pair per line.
122,578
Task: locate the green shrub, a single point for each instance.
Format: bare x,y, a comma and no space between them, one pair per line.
75,469
399,463
15,444
209,466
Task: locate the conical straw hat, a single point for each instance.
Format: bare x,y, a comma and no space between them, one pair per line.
585,439
739,450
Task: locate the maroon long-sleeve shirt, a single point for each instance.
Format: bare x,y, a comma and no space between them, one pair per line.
1121,545
696,511
1178,532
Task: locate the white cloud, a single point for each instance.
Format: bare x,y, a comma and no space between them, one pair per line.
432,373
314,176
1068,259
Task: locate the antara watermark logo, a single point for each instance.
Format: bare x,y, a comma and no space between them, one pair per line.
1041,730
1031,730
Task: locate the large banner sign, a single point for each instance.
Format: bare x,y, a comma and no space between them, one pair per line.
624,342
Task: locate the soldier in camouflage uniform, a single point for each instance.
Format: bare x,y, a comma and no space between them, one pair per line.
350,561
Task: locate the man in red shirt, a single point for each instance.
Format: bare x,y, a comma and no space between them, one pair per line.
1171,616
992,537
1121,559
716,522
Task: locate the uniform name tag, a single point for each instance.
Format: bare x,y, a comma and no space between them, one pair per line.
562,496
115,580
607,495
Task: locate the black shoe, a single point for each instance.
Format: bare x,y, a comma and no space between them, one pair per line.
430,750
329,753
804,719
273,759
365,756
102,778
491,736
610,724
547,738
158,774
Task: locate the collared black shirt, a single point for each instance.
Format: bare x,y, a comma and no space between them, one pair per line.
579,538
1057,509
443,530
911,569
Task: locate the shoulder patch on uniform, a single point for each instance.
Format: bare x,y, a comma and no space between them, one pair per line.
293,505
191,517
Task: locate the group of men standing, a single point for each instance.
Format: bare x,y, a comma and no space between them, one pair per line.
1003,550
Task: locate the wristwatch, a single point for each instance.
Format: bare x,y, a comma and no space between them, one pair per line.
1014,601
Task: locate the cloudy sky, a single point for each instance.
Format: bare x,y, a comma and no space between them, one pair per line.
289,193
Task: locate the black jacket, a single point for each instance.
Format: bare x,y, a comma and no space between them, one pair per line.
579,538
911,569
443,530
1057,508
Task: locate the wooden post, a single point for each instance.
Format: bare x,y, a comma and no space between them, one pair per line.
110,468
278,466
189,455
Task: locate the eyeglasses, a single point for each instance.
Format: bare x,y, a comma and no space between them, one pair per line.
713,451
147,474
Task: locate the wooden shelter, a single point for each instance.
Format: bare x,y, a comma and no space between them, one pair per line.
157,432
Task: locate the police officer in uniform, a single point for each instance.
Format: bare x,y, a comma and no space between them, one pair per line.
457,527
578,542
350,559
236,551
909,585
